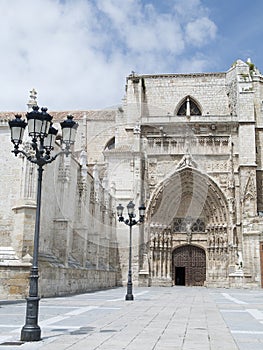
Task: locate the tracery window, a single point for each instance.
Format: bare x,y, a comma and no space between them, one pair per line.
198,226
189,107
189,224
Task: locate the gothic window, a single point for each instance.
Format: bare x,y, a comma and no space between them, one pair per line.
189,107
111,144
177,225
182,225
198,226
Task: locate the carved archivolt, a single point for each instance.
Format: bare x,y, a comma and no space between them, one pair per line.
188,193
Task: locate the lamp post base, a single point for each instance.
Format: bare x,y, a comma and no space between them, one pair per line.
30,333
31,330
129,297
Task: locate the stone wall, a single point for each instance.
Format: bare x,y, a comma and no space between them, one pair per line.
78,250
14,280
57,281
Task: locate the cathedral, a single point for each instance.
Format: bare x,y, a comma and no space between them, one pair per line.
188,146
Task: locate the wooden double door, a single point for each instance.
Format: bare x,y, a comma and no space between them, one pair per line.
189,266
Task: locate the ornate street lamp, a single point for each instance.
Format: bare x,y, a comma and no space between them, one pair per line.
43,136
130,222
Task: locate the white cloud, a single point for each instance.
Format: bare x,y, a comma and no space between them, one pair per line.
77,53
140,28
188,10
200,31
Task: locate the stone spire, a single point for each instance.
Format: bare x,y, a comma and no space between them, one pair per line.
32,99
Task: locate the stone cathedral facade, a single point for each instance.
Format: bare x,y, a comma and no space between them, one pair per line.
189,146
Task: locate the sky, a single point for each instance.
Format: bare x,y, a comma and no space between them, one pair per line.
78,53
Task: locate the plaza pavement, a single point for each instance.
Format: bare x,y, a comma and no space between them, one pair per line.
158,319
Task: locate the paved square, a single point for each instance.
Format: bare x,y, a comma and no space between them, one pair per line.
182,318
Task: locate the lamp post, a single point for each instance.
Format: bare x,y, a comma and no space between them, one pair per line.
43,136
130,222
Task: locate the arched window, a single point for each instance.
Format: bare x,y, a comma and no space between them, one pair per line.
110,144
189,107
183,224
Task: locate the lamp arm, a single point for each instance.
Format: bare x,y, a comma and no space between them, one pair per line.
28,157
131,222
39,159
47,159
64,151
16,151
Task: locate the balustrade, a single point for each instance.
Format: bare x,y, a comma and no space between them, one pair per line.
179,145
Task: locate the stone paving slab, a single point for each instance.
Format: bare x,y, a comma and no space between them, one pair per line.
158,319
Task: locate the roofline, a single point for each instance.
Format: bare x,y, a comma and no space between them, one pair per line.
175,75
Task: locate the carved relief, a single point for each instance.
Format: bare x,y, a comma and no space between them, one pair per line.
187,161
216,166
217,238
232,97
249,197
182,144
160,245
64,173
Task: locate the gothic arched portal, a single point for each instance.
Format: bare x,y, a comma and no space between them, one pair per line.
189,210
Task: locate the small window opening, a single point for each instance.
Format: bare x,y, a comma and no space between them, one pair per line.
111,144
189,107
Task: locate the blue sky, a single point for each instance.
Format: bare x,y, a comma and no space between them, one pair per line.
77,53
239,31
